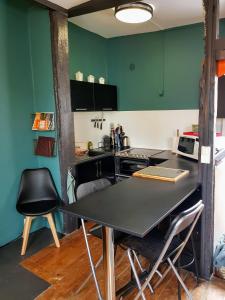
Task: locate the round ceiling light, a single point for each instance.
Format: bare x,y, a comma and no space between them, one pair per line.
137,12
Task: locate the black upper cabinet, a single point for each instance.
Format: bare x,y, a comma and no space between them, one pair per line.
105,97
82,95
221,97
86,96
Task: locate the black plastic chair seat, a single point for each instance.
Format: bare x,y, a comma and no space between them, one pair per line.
150,246
37,208
37,193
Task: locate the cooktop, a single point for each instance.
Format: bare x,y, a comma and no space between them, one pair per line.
141,153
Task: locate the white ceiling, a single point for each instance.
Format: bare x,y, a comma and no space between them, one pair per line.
167,14
68,3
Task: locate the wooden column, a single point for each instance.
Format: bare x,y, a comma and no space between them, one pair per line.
65,124
207,123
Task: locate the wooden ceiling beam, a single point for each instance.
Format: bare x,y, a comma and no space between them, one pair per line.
94,6
52,6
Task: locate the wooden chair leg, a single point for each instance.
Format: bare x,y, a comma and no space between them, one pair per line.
26,231
53,230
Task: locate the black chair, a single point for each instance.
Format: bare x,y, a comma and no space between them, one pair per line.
158,249
37,197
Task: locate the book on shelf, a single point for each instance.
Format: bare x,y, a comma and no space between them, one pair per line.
43,121
45,146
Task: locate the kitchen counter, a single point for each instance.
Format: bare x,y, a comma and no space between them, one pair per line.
86,157
163,155
219,157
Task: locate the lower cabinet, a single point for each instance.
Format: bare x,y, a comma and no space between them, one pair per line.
95,169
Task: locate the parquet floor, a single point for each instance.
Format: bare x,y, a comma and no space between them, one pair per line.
67,268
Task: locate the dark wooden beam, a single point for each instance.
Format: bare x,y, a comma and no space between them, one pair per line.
65,124
95,5
52,6
207,125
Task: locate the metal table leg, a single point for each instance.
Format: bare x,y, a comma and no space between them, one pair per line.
108,258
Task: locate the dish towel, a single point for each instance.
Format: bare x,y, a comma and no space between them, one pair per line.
70,187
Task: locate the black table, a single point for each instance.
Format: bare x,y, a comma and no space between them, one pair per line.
133,206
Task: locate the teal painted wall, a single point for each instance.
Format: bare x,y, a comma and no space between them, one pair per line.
167,65
166,61
26,85
88,53
42,78
16,104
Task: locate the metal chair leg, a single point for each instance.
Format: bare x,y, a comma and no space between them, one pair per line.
178,282
195,258
180,279
89,276
91,261
129,253
142,270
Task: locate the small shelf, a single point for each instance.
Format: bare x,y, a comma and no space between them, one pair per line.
43,147
43,121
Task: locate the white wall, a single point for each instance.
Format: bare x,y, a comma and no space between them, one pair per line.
147,129
219,219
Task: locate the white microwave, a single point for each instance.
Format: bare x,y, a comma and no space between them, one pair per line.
186,145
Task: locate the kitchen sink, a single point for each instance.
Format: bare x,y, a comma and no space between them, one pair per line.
96,152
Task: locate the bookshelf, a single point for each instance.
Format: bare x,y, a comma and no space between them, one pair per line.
43,121
44,144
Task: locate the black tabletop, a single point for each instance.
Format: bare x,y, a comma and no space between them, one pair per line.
137,205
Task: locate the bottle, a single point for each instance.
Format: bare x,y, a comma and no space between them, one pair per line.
90,145
112,137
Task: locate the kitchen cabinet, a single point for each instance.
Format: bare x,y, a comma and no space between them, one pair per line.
105,97
91,170
95,169
221,98
87,96
82,95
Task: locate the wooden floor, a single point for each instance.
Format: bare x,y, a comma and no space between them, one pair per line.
67,268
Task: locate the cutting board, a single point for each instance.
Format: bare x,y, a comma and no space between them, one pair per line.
160,173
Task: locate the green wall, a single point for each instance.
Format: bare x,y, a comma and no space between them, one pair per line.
42,77
167,65
26,86
167,68
16,104
88,53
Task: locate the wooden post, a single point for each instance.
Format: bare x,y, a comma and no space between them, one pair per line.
207,124
65,124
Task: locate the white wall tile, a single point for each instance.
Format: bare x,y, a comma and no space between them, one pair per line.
147,129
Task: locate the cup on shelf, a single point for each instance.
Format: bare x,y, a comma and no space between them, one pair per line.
91,78
79,76
101,80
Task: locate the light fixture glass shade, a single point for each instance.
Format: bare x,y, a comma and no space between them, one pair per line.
134,13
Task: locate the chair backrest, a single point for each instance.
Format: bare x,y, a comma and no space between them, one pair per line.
37,185
90,187
185,219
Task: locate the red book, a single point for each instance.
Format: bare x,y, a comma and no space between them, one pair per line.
45,146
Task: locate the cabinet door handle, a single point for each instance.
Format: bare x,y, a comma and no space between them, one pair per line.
107,108
97,172
81,109
100,168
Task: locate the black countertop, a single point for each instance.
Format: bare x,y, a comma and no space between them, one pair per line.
219,157
137,205
86,157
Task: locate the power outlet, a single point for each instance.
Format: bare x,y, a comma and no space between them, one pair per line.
205,154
